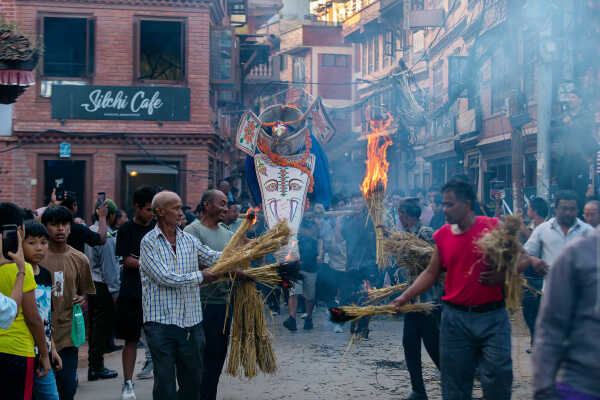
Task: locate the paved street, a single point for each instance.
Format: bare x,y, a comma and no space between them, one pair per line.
312,365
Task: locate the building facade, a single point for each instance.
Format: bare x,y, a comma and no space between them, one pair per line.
150,94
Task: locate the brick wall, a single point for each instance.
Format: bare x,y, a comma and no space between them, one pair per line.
114,66
8,10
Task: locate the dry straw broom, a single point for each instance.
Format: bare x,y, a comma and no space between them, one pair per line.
377,295
352,313
409,251
501,247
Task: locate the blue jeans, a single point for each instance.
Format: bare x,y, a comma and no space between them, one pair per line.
531,303
469,339
45,388
66,378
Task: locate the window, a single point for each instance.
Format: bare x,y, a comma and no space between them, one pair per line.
500,81
376,53
438,85
328,60
299,70
389,48
68,47
370,50
418,41
364,57
160,48
341,61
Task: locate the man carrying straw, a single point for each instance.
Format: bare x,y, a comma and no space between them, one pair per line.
475,329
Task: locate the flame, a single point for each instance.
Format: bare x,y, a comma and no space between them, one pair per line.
289,256
252,213
377,165
367,287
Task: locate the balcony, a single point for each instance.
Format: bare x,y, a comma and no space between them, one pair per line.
372,11
265,72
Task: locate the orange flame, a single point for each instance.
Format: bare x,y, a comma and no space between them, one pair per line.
377,165
252,213
367,287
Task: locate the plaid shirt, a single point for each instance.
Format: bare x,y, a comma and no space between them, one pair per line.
171,280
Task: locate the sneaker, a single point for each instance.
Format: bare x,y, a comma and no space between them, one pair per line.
127,393
290,323
338,328
146,372
308,324
303,316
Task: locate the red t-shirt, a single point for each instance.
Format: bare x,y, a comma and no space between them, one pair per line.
463,262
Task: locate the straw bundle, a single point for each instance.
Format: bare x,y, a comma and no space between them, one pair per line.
502,248
533,290
351,313
409,251
278,274
375,201
377,295
268,243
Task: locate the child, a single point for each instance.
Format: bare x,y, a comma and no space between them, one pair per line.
35,247
17,342
72,282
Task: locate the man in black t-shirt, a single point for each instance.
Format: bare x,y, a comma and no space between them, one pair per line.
129,314
80,234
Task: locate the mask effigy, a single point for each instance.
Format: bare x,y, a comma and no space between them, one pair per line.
280,141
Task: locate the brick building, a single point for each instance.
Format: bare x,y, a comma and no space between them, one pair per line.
160,51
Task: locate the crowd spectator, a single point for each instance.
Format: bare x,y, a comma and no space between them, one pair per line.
80,234
565,357
225,187
439,219
17,352
170,268
106,275
129,302
537,212
212,233
591,213
35,247
232,218
121,218
72,282
549,238
426,210
417,326
308,249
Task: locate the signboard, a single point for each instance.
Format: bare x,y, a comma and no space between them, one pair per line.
143,103
65,150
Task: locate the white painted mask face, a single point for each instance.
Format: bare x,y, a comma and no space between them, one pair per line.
283,191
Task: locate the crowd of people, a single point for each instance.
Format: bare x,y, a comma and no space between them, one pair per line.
145,281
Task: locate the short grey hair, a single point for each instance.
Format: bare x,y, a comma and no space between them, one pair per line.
160,198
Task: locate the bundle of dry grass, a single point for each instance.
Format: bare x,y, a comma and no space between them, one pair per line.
376,295
268,243
278,274
409,251
533,290
351,313
502,249
376,205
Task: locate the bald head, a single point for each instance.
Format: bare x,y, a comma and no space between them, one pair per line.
161,199
591,213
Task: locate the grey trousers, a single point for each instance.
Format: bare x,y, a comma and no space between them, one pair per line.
469,339
177,353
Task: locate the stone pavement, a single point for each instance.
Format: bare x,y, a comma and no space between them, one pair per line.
315,365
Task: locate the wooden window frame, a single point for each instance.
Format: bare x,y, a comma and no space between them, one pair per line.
234,56
137,19
90,67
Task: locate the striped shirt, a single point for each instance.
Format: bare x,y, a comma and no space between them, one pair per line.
171,279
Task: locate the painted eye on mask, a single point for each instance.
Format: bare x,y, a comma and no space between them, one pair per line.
295,185
271,185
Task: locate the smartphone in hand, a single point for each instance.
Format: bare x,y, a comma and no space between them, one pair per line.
10,240
101,198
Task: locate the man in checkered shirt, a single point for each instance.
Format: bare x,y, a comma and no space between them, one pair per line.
170,267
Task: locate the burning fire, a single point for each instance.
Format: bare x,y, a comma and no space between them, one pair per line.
252,214
377,165
367,287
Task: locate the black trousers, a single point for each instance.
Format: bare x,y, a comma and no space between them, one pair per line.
102,322
177,353
215,350
417,327
66,378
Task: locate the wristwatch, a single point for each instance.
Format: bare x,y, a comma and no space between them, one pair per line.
20,272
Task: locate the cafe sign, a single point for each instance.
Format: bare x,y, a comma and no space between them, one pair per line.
143,103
